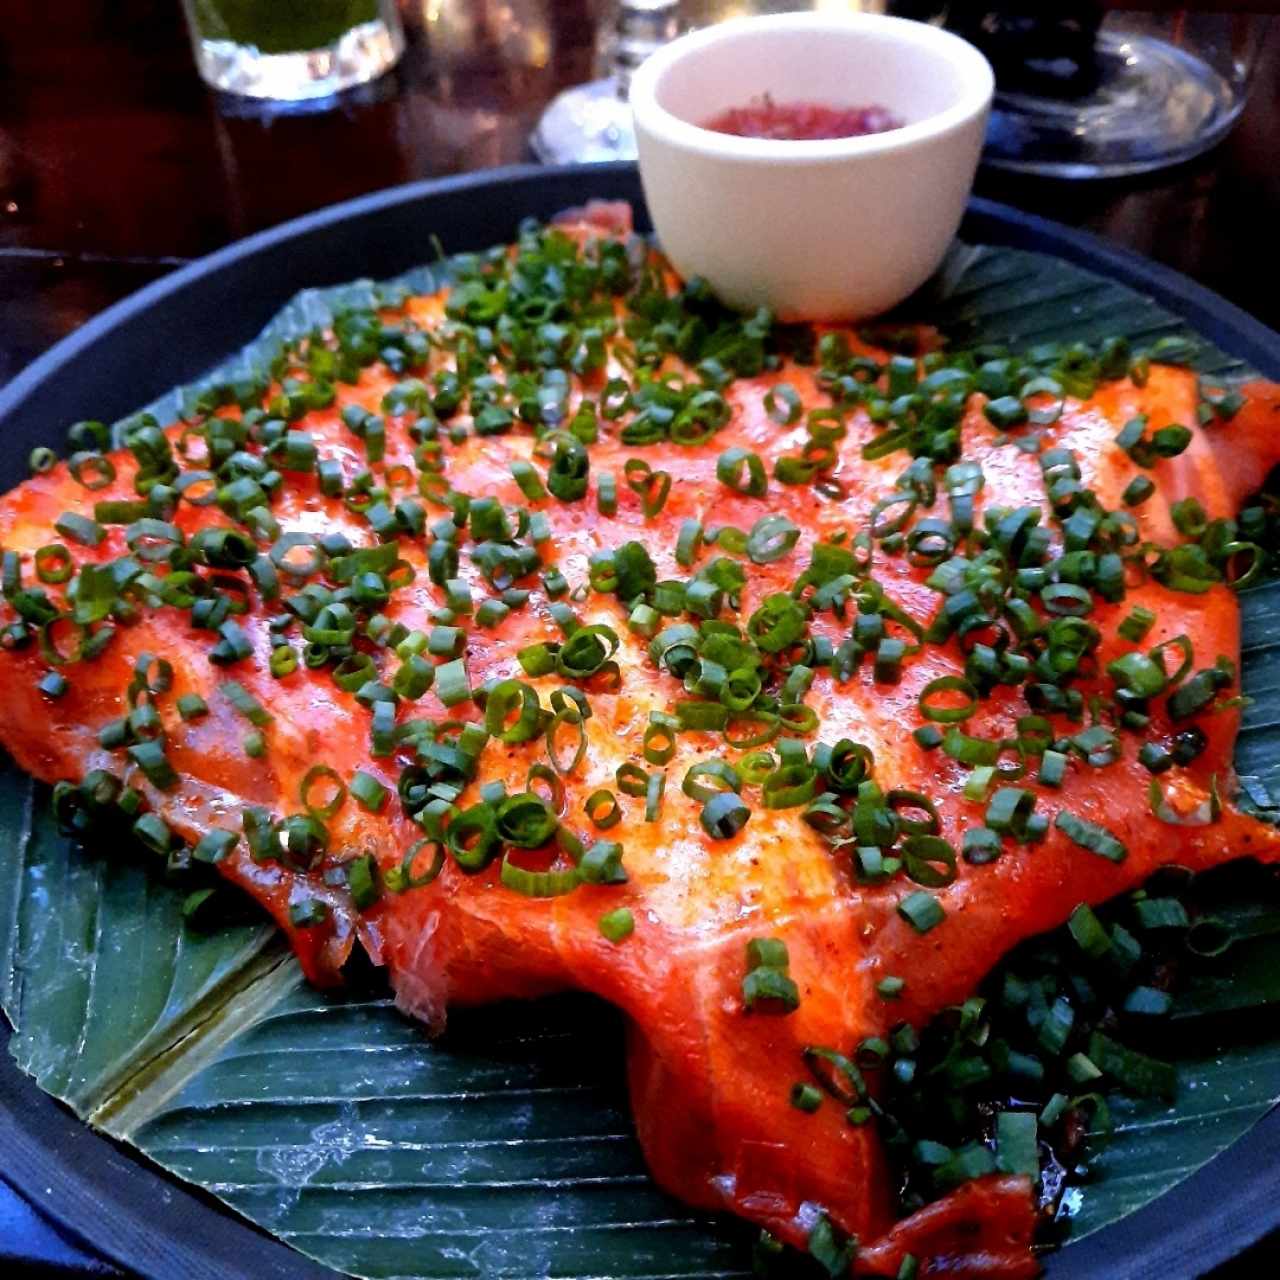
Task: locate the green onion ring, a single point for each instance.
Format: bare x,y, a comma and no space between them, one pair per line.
790,785
921,857
50,648
1050,413
538,884
566,715
314,775
602,808
541,773
631,780
768,725
525,820
659,743
1183,644
722,770
473,838
756,767
102,471
901,798
54,563
943,714
402,878
506,698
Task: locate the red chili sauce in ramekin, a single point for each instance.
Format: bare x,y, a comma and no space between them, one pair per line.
762,117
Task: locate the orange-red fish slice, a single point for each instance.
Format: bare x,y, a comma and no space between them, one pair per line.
709,1079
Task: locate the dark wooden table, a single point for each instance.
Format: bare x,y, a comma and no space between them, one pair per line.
116,166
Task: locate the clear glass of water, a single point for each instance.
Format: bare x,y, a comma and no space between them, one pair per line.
293,50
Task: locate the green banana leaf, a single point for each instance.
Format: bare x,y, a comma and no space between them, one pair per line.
505,1148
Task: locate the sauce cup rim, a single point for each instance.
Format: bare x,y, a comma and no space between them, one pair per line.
974,71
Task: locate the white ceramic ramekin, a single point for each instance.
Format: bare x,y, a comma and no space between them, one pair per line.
825,230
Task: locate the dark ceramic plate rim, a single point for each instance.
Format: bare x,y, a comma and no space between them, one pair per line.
122,1206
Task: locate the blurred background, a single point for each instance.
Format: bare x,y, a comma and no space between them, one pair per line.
117,163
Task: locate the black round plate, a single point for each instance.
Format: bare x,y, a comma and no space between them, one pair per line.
171,332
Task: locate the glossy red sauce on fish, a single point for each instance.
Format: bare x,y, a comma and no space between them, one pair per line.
709,1079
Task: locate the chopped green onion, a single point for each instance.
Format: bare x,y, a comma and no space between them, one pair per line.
54,563
1135,626
1005,412
1088,931
782,403
1161,913
41,459
1137,491
1088,835
942,712
530,482
618,924
832,1253
602,863
245,703
1148,1002
1017,1149
743,472
805,1096
53,684
602,809
88,533
1010,809
362,881
723,816
688,542
768,989
566,716
512,712
150,758
322,811
1053,769
215,845
1170,441
607,494
1134,1072
233,645
368,791
306,913
538,884
770,539
153,832
981,845
922,911
401,878
452,683
727,779
525,820
653,487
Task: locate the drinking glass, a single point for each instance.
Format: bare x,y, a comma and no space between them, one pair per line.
293,50
1086,90
593,121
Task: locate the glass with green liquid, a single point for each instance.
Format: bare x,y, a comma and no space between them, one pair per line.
292,50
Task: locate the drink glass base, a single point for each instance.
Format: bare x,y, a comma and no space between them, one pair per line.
358,56
588,123
1154,105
